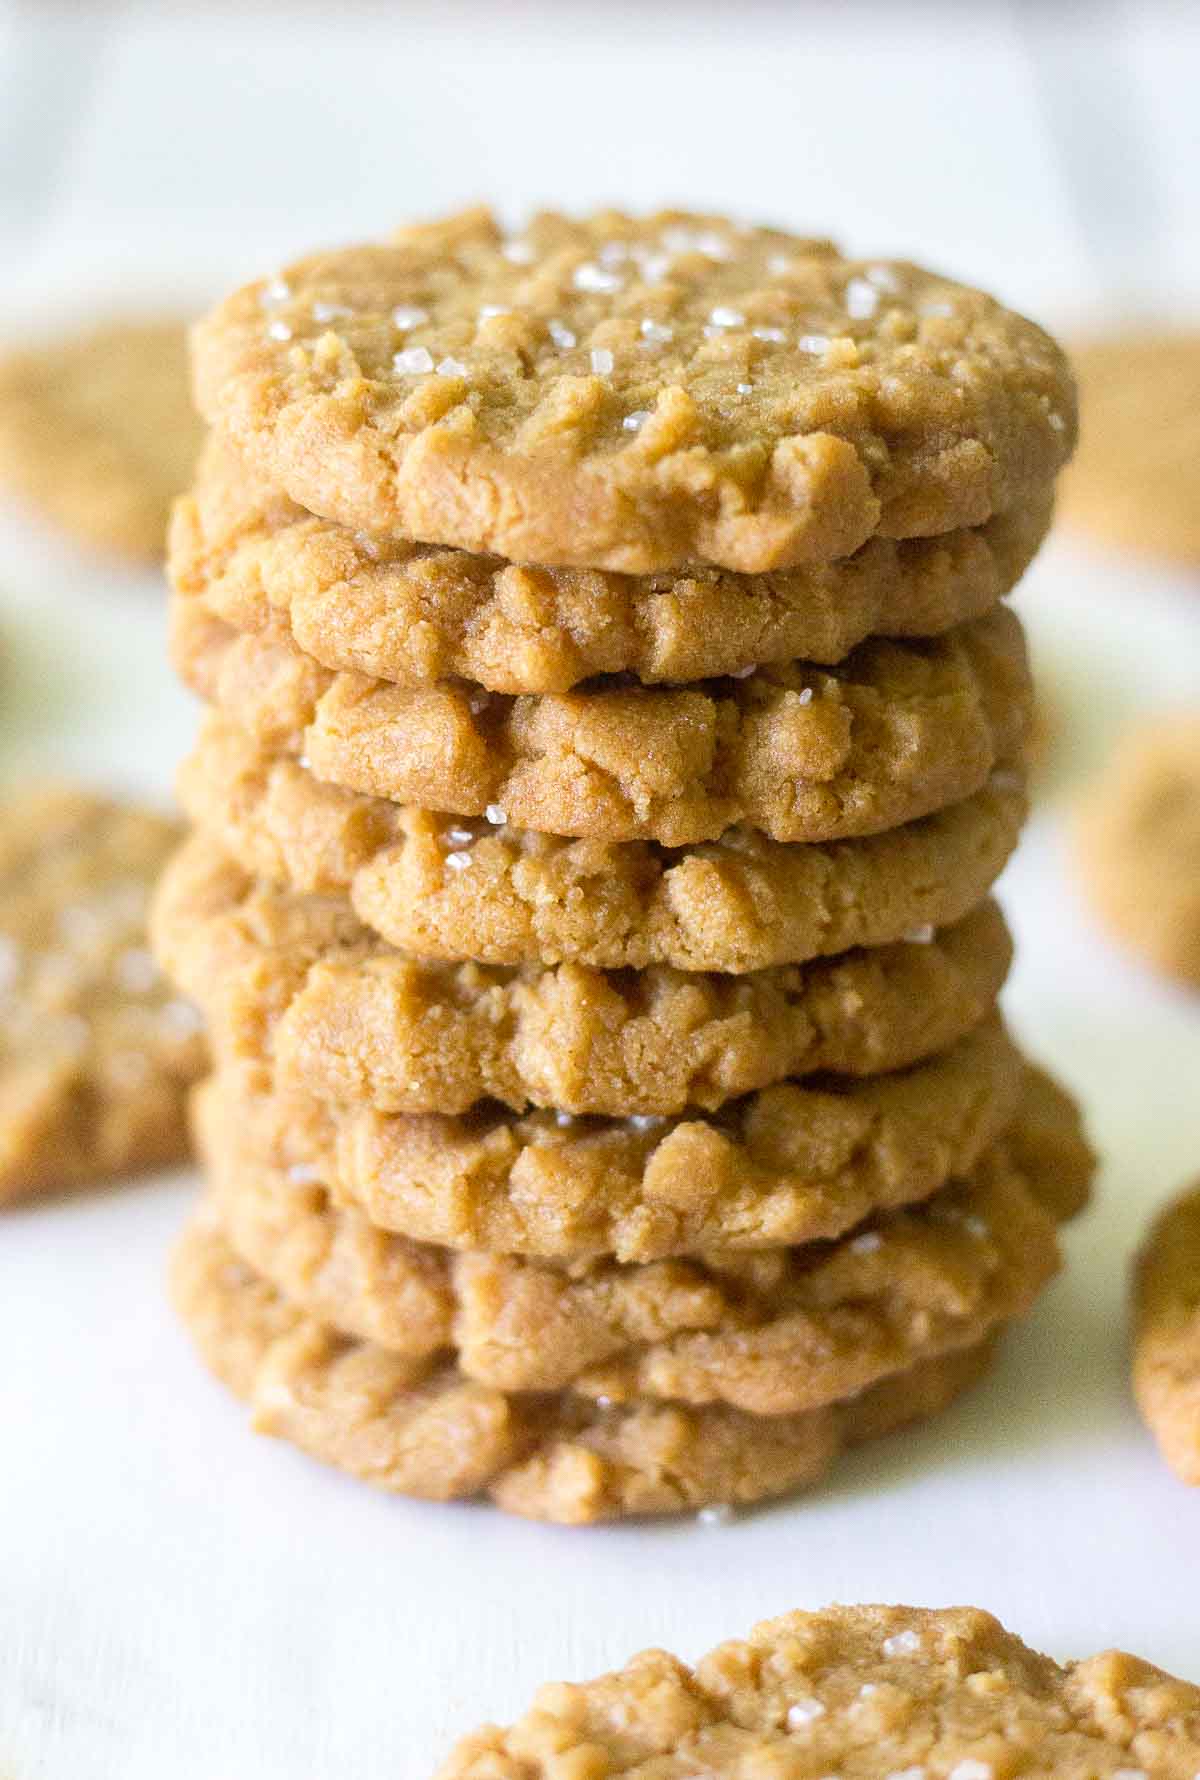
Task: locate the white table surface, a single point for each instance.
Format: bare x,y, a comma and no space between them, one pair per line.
177,1596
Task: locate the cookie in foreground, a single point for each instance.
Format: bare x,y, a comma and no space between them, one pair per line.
634,393
861,1693
1166,1338
97,431
96,1050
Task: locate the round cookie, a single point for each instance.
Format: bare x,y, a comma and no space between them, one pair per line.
897,730
99,433
633,394
792,1163
1166,1337
416,614
861,1692
437,888
96,1049
1136,483
1139,845
773,1333
298,983
418,1427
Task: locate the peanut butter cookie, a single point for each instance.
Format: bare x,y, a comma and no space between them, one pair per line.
1166,1345
96,1050
634,394
418,1427
438,887
417,613
99,433
896,731
299,983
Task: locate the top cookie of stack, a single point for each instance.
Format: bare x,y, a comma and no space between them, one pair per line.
624,597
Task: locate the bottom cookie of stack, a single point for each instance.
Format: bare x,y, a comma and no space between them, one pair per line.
586,1394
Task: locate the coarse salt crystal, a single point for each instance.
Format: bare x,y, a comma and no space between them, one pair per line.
601,361
409,315
744,389
331,312
488,310
637,419
972,1770
723,317
613,252
861,299
654,267
803,1712
920,936
657,332
414,361
805,697
594,278
936,308
745,673
303,1174
451,367
976,1227
495,815
868,1244
564,1120
279,330
718,1515
458,861
884,278
779,265
773,336
518,253
902,1644
562,336
813,343
277,291
459,837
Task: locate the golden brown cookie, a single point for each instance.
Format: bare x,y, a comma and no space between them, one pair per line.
96,1050
419,1427
1136,483
1166,1340
440,888
801,753
634,394
415,613
297,982
1139,845
797,1162
772,1333
864,1693
99,433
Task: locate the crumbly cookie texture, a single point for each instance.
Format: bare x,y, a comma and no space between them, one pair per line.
793,1163
297,982
96,1050
417,613
439,887
801,753
419,1427
773,1333
1166,1341
98,432
634,394
861,1692
1139,845
1143,386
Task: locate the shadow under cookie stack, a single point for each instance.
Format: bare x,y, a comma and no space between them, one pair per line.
590,902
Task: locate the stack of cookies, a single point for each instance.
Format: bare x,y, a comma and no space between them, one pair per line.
614,735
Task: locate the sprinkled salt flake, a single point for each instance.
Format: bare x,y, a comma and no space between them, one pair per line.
303,1174
805,696
304,763
409,315
744,389
902,1643
644,1121
601,361
1057,421
136,971
779,265
614,252
591,277
564,1120
331,312
861,299
656,332
489,309
277,291
654,267
815,343
884,278
724,317
451,367
495,815
935,308
718,1515
180,1018
414,361
867,1689
976,1227
972,1770
279,330
563,336
920,936
518,253
803,1712
458,861
678,239
869,1243
773,336
459,837
603,1402
744,673
637,419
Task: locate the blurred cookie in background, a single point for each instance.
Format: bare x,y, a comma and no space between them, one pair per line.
96,1050
98,434
1135,481
1166,1333
1138,844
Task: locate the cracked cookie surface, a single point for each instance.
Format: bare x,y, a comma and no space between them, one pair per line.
894,732
418,613
633,394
